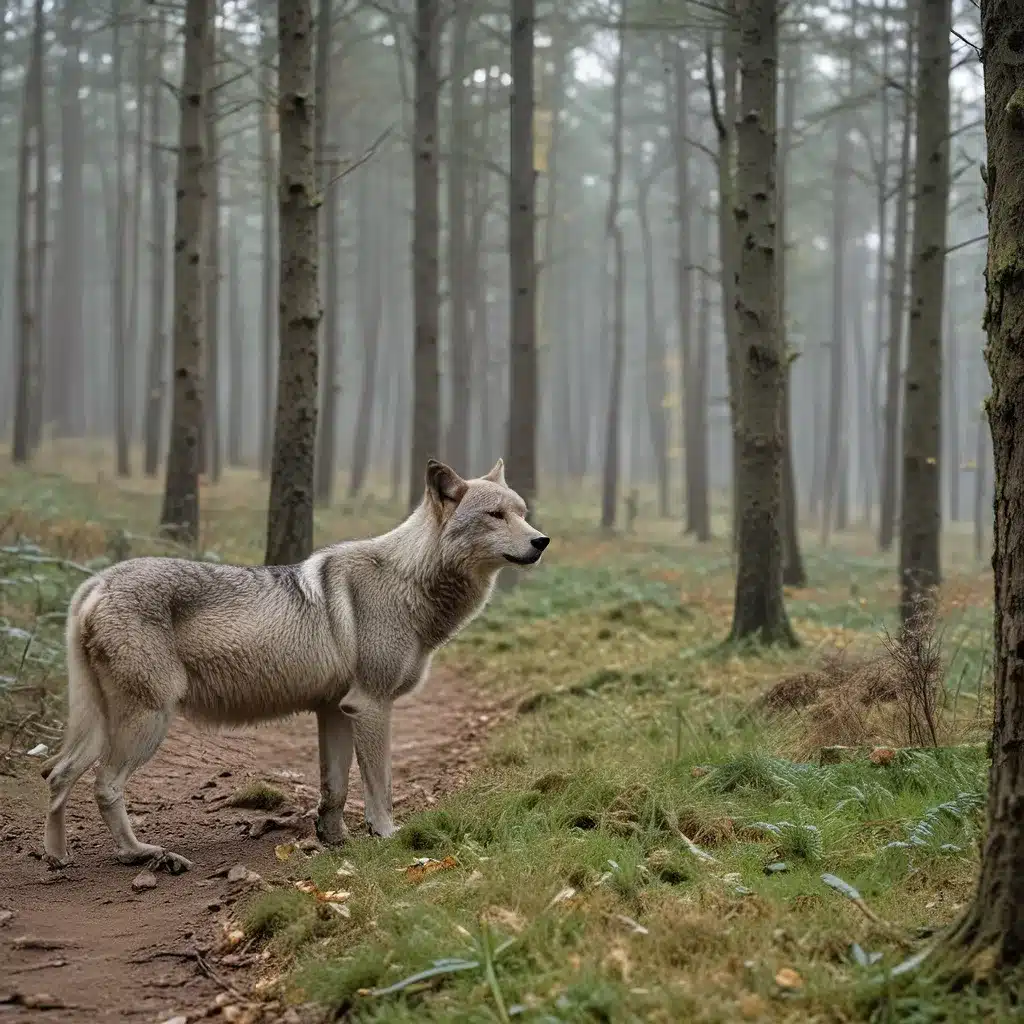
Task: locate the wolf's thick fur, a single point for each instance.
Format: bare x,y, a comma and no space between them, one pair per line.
343,634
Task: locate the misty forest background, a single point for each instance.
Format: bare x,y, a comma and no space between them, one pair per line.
634,106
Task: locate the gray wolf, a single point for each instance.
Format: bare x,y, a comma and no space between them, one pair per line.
342,634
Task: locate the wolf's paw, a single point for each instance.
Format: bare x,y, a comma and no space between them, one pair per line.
330,827
156,858
172,862
382,830
55,863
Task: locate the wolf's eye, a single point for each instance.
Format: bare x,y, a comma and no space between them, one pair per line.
497,515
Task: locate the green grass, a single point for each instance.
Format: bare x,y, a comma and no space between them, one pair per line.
611,853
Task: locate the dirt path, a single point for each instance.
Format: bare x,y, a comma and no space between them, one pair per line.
84,941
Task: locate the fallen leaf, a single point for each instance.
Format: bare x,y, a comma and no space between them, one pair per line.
347,869
424,866
284,850
309,887
788,978
340,909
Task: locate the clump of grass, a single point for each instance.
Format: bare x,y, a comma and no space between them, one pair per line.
257,796
277,911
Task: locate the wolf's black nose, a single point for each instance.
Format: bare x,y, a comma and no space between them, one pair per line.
540,543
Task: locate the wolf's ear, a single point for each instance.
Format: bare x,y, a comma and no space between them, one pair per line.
497,475
443,483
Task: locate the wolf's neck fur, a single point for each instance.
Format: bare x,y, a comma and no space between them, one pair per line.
442,595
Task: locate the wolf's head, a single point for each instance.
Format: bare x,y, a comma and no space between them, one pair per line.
482,521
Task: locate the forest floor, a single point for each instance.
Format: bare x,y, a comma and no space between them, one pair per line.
607,815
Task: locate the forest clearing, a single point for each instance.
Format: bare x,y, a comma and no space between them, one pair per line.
717,305
548,770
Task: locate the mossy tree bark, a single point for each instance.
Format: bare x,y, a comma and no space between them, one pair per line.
991,934
180,514
759,610
290,516
921,508
426,374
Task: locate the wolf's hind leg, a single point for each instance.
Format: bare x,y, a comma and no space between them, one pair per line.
372,727
334,731
134,738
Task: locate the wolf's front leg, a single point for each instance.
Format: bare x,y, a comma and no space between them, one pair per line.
334,732
372,725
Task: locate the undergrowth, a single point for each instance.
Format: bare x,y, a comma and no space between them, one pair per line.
651,837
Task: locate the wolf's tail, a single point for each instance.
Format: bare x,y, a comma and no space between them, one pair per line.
85,733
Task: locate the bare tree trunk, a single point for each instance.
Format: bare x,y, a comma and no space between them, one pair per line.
724,115
837,349
759,610
31,251
156,370
268,266
135,238
326,462
897,309
616,249
921,513
236,331
371,311
426,414
119,250
180,515
67,290
522,424
793,574
290,516
211,446
991,933
654,375
457,443
693,388
952,403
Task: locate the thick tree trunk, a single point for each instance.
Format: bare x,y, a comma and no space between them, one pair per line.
759,611
724,114
29,264
990,937
890,484
521,470
180,515
120,350
211,446
290,516
330,197
156,369
457,442
616,250
134,312
921,512
980,474
268,262
426,413
793,574
67,291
